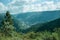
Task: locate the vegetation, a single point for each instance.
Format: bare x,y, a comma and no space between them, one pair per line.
44,35
8,32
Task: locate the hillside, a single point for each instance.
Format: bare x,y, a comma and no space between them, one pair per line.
32,18
49,26
37,17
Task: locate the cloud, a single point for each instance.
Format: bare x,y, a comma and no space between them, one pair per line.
20,6
49,5
58,5
3,8
16,6
44,6
32,7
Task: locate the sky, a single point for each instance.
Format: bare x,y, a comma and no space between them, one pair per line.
22,6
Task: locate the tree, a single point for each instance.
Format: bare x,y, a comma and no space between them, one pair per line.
7,25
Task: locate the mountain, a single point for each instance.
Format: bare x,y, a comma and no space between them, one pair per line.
38,17
20,25
1,17
25,20
49,26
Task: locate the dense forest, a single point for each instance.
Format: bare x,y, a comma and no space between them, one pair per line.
44,31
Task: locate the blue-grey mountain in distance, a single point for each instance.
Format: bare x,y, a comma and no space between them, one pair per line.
38,17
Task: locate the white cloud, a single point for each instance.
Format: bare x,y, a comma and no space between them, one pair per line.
49,5
44,6
3,8
30,1
32,7
58,5
17,6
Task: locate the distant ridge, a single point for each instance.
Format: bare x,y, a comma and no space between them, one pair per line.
49,26
35,17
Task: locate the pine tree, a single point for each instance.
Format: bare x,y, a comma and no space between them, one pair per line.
7,25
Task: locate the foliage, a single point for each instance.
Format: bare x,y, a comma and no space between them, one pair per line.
7,25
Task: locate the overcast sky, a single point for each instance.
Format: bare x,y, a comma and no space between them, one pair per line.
20,6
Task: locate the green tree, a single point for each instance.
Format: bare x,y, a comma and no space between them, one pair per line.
7,25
